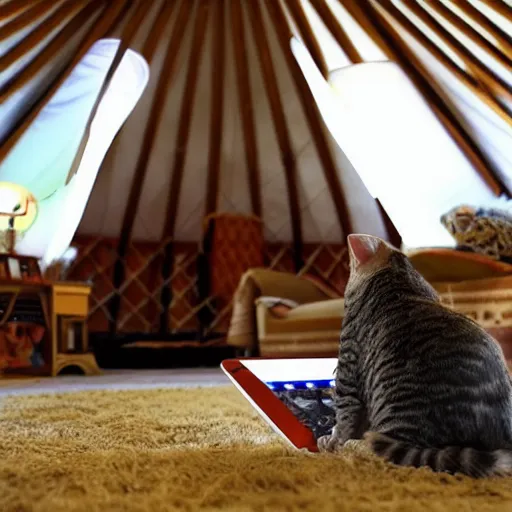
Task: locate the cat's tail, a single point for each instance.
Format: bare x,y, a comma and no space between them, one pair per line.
454,459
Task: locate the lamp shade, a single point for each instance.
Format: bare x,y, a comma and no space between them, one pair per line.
396,144
41,160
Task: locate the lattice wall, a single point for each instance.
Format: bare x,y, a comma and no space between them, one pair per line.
140,293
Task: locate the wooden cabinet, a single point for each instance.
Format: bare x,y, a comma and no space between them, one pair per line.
43,324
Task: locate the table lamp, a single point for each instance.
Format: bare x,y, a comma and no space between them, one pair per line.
18,211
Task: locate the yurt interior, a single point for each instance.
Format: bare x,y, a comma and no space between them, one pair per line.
185,182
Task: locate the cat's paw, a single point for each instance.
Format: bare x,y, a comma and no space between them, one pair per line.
329,444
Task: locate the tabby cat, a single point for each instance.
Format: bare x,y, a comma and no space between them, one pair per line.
484,231
425,386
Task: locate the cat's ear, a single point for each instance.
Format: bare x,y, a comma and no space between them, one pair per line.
363,247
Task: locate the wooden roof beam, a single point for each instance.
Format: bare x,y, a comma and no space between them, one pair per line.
475,36
185,119
27,44
217,111
245,106
391,42
500,7
490,80
26,18
314,119
503,39
465,78
67,11
127,36
111,14
148,141
281,128
299,17
337,31
13,7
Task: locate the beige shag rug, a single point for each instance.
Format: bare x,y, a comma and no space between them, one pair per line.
198,449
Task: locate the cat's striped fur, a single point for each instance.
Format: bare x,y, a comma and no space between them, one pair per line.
426,386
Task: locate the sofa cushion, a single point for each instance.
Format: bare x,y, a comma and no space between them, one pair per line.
319,316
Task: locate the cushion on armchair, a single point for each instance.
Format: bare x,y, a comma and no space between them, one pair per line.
277,306
311,329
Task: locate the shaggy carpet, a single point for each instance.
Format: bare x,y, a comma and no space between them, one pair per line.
198,449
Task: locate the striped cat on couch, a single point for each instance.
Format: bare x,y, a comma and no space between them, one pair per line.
425,386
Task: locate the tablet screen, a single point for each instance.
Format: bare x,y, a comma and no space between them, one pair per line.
305,386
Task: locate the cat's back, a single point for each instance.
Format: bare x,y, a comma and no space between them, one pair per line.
424,337
438,369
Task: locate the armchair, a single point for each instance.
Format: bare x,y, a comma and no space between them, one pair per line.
311,327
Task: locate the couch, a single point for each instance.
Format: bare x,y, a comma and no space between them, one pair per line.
308,320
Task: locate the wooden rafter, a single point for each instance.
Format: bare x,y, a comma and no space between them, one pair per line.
503,39
500,7
13,7
390,41
464,77
65,11
111,14
337,31
313,118
185,119
155,116
299,17
246,106
482,72
129,32
161,20
467,29
26,18
217,111
280,125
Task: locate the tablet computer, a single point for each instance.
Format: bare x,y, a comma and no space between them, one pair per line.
295,396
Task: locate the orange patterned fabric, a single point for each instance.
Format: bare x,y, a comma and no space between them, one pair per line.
233,244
